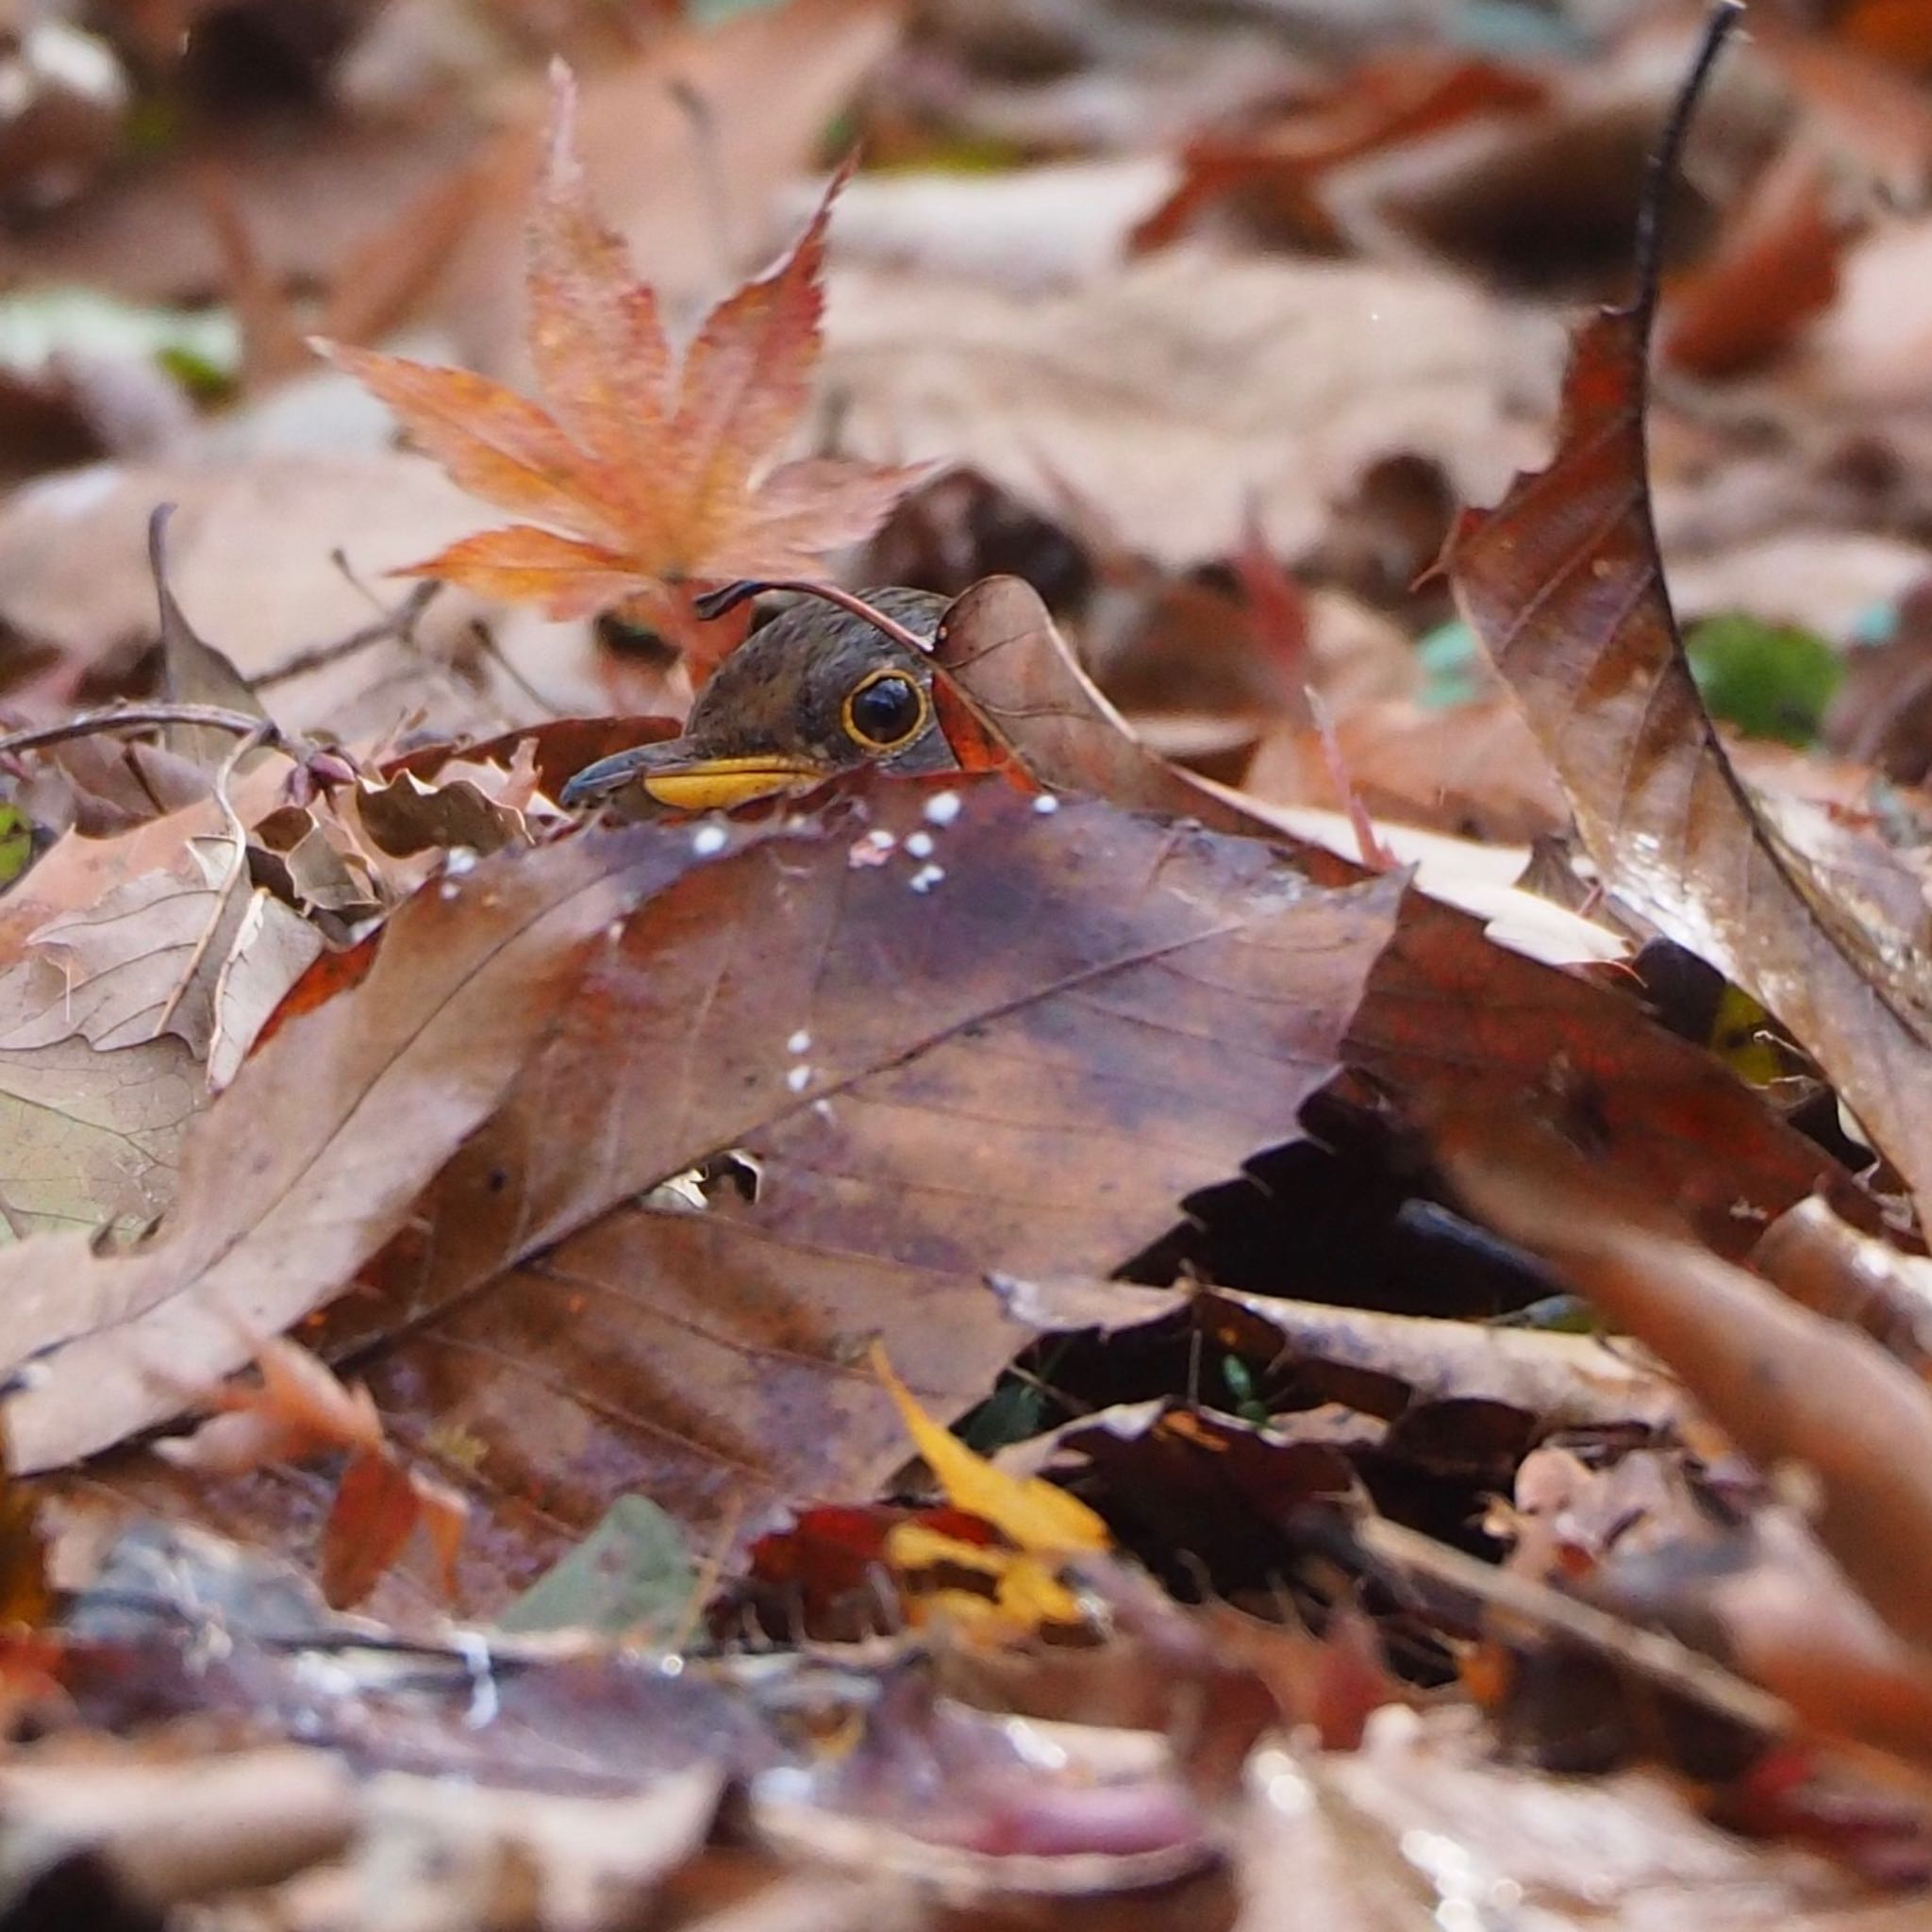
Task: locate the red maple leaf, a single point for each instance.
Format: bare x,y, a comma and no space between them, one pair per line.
645,481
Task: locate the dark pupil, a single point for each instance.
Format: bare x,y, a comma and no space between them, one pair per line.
886,709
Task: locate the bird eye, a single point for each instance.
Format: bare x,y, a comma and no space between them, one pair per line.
885,710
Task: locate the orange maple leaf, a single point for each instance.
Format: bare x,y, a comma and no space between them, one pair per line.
646,482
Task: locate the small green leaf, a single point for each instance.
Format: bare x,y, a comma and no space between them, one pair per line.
632,1574
1449,657
1769,680
16,843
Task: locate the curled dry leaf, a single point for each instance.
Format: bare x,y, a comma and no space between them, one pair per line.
1564,583
642,479
1446,1010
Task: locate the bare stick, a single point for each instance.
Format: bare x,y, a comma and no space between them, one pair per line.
396,624
716,602
1662,1659
140,717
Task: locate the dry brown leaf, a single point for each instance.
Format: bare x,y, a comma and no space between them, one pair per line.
311,1160
1265,383
1022,1048
1445,1009
250,553
1563,583
1788,1386
93,1139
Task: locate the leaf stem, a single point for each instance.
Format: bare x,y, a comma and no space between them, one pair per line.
1665,160
716,602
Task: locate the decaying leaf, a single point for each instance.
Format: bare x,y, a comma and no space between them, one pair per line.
92,1140
643,478
1025,1037
1445,1009
1791,1388
1564,583
310,1158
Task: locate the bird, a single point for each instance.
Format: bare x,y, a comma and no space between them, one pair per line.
814,694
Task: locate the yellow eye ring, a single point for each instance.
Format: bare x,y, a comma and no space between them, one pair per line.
901,734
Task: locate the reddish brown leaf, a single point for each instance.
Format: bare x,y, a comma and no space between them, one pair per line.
1385,102
373,1516
639,489
1563,583
1025,1047
1446,1011
1774,271
311,1158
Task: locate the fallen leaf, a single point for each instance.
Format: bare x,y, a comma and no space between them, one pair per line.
1032,1515
632,1574
1445,1008
1563,583
1270,385
143,963
296,1410
642,486
1381,103
272,948
1775,271
1823,1264
312,1156
1384,1364
1105,1000
92,1140
1788,1386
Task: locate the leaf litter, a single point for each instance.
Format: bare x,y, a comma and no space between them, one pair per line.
1333,1339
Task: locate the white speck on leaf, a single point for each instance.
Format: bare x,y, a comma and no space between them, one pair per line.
799,1043
875,848
708,841
798,1079
926,878
943,808
919,845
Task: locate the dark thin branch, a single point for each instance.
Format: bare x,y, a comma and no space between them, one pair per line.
396,623
717,603
140,717
1666,158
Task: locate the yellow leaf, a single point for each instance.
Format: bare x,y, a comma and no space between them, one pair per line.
1032,1513
1020,1589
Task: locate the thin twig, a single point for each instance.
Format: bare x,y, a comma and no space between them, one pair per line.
1660,1658
485,640
397,624
140,717
716,602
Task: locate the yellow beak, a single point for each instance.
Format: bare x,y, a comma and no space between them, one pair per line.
673,774
717,784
